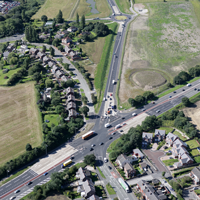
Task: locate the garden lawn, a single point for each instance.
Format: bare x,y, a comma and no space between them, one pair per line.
53,118
170,162
192,144
197,159
180,135
194,152
9,74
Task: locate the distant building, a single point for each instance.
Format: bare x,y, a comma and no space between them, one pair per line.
147,138
195,175
72,29
49,23
66,40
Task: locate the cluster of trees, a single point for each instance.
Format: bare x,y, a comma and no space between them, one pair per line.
12,22
84,73
141,99
181,122
184,76
30,34
133,138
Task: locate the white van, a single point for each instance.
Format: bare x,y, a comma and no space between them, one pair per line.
105,160
107,125
134,114
113,82
117,126
188,84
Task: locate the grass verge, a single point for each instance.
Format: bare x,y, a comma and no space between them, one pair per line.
124,6
169,162
110,189
103,67
101,173
112,145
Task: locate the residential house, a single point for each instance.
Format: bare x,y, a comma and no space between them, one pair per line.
147,138
54,69
64,32
40,55
143,166
149,192
178,152
123,159
66,40
68,50
72,113
46,59
138,153
58,74
170,138
50,63
64,78
185,159
179,143
89,189
33,51
70,98
94,197
74,56
58,36
5,54
43,36
69,91
159,135
195,175
83,174
129,170
72,29
71,105
10,48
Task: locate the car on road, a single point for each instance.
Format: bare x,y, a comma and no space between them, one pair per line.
121,130
123,117
16,191
188,84
92,145
104,99
195,88
174,91
109,167
143,109
170,96
153,102
183,89
198,89
134,114
113,133
11,198
29,183
100,143
105,160
195,188
45,173
124,123
157,111
110,138
91,149
110,98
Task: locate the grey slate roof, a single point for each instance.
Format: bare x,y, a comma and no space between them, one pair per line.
137,151
160,132
196,171
147,135
171,136
121,158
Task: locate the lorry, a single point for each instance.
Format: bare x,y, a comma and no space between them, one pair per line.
88,134
66,163
117,126
123,184
107,125
113,82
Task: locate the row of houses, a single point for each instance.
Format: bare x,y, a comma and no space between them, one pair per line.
85,185
178,150
5,6
124,162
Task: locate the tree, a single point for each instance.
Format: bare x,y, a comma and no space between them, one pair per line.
66,66
13,60
4,47
131,101
178,80
52,51
59,17
37,76
84,110
44,18
59,109
44,48
83,21
84,99
186,102
48,83
148,95
28,147
90,159
77,18
60,48
55,101
139,99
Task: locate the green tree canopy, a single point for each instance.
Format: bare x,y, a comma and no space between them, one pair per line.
59,109
44,18
84,110
186,101
59,17
28,147
90,159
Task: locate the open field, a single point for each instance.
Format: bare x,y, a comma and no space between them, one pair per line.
163,43
19,120
194,114
71,7
123,5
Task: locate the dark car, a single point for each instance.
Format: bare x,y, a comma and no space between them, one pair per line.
91,149
101,144
109,167
183,89
174,92
29,183
113,133
198,89
45,173
195,88
121,130
16,191
110,138
123,117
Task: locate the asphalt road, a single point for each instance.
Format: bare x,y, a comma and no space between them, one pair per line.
12,38
102,134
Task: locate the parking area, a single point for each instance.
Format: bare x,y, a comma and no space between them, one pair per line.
154,157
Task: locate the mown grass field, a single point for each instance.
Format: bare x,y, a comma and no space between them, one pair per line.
71,7
19,120
152,1
124,5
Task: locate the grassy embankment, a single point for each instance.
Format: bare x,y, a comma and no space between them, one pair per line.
103,66
19,120
71,7
124,6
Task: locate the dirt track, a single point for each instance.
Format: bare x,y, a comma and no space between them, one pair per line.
194,114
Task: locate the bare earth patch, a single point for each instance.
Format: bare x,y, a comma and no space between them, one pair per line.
194,114
19,120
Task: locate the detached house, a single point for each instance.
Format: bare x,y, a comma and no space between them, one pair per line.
40,55
147,138
70,98
58,74
33,51
123,159
195,175
170,138
159,135
138,153
129,170
71,105
83,174
54,69
66,40
72,29
69,91
68,50
74,56
46,59
94,197
72,114
64,78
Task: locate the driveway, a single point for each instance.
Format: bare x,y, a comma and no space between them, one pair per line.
154,157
